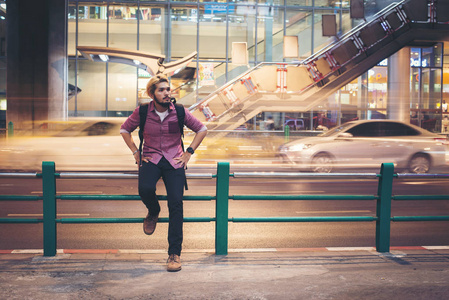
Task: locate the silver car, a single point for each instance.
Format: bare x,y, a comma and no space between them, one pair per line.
367,144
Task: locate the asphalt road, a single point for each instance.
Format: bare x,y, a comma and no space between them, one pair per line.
241,235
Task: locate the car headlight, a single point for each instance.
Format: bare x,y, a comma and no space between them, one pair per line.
299,147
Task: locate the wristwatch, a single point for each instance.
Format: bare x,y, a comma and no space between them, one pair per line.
190,150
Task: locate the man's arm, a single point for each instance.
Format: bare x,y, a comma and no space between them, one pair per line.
199,137
128,138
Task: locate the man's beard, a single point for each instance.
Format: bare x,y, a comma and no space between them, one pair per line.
163,103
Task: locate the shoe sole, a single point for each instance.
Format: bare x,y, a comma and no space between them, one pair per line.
174,270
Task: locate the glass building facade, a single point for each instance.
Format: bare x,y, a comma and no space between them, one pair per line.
177,28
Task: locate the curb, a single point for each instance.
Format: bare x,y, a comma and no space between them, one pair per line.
245,250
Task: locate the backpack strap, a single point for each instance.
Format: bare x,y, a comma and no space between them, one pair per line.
143,111
181,113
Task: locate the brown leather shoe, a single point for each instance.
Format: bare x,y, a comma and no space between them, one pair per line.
149,224
173,263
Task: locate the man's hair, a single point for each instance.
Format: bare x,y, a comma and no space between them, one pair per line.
153,82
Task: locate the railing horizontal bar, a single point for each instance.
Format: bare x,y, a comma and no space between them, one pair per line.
304,175
420,197
305,219
304,197
22,220
419,218
21,175
128,197
124,220
112,175
115,175
421,176
98,197
19,198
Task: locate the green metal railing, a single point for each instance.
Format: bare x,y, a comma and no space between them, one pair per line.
383,199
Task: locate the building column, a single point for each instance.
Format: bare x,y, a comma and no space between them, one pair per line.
36,61
398,104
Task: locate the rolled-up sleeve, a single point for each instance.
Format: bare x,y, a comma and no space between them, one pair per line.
131,123
193,123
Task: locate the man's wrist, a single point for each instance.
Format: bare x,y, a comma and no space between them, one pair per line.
137,150
190,150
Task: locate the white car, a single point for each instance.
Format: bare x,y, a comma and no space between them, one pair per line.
366,145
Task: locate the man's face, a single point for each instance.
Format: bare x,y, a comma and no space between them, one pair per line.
162,94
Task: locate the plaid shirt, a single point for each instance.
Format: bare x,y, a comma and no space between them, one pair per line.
162,138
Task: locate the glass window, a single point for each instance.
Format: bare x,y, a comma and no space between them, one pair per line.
212,38
122,87
370,129
91,32
299,2
92,82
415,88
243,29
122,26
346,22
183,30
299,23
377,90
71,31
152,31
270,33
71,80
321,41
432,56
277,24
431,88
396,129
445,90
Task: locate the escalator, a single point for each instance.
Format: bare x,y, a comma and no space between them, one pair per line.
297,24
299,87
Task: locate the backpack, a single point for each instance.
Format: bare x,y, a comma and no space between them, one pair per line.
180,113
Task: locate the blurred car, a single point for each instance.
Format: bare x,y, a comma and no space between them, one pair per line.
295,124
95,144
248,147
367,144
80,144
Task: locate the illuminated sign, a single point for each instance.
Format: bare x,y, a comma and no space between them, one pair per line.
211,9
413,63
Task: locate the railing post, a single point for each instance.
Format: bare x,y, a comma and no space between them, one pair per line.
49,209
221,209
286,133
384,191
10,129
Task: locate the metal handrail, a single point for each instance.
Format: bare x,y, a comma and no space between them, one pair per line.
303,175
383,198
120,175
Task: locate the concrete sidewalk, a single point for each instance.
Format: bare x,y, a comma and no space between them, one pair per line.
407,273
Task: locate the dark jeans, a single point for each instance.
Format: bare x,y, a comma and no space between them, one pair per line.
174,179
